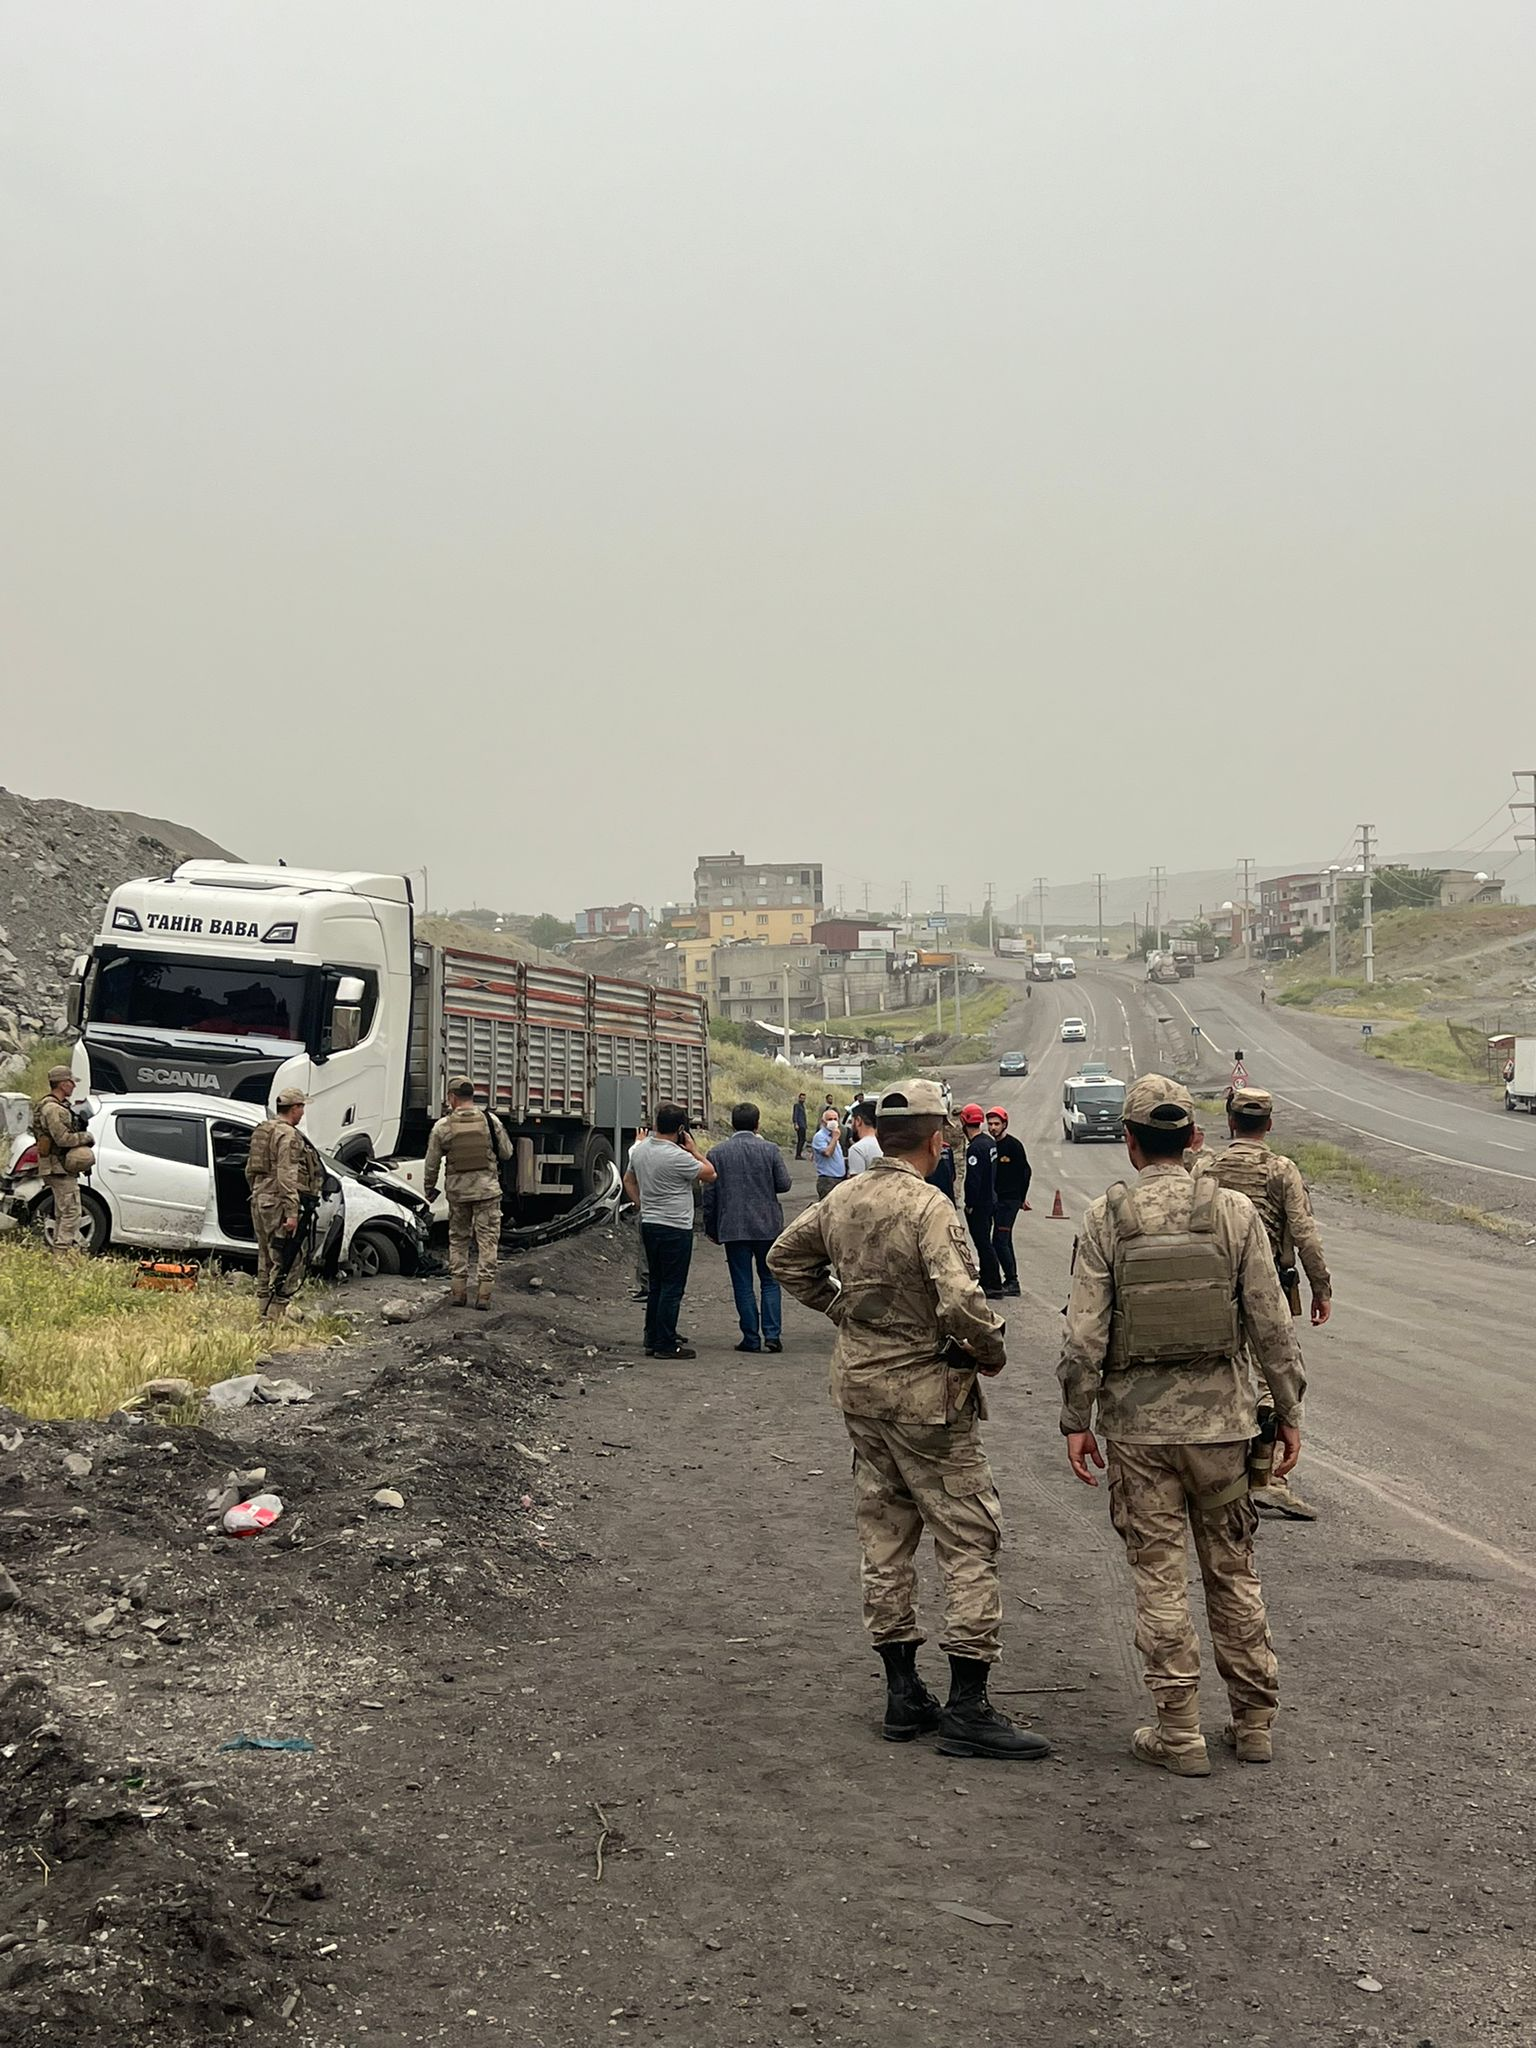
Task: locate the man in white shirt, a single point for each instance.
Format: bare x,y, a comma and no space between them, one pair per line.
865,1149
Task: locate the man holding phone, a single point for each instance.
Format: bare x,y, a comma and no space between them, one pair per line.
660,1181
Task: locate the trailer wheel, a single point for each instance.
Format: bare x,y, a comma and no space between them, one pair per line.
594,1156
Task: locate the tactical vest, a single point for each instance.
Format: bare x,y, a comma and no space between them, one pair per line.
261,1160
1175,1291
470,1147
1258,1175
45,1148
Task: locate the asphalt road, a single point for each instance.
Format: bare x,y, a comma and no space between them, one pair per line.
1410,1113
1416,1402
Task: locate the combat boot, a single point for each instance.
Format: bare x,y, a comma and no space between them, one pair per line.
459,1294
910,1708
275,1309
1278,1498
969,1724
1252,1740
1175,1744
483,1294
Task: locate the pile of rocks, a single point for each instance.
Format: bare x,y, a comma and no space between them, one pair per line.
58,864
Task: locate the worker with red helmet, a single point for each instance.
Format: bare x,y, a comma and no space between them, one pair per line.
981,1195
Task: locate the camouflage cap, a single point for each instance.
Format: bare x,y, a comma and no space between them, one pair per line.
291,1098
911,1098
1164,1104
58,1074
461,1084
1252,1102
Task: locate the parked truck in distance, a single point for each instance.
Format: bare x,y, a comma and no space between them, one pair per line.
229,980
1520,1088
1015,949
1042,966
1162,967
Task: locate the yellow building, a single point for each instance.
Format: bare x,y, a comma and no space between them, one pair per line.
776,925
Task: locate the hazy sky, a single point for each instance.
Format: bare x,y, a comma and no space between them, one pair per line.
548,440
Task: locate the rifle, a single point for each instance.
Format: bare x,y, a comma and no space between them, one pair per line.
295,1241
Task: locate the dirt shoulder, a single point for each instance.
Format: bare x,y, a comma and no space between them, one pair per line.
638,1633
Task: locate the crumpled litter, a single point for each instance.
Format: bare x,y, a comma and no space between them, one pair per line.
256,1388
300,1744
250,1517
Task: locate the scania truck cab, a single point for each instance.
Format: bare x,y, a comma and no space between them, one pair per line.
229,980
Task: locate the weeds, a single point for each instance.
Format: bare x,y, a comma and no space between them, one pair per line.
77,1338
978,1013
32,1081
1429,1046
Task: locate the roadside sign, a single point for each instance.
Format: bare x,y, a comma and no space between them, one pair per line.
843,1076
1365,1030
1194,1030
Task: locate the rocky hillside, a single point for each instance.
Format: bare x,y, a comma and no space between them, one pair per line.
58,864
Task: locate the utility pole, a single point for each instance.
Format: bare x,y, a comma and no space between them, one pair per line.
786,1014
1521,838
906,902
1366,928
1247,867
1159,877
866,899
1099,884
938,997
1042,882
1333,923
957,995
943,900
991,921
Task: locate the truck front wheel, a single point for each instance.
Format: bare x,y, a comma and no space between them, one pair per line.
594,1156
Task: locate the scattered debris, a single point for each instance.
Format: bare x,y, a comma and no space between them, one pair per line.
10,1593
398,1311
250,1517
524,1451
255,1387
299,1745
169,1392
1367,1984
388,1497
98,1624
974,1914
78,1465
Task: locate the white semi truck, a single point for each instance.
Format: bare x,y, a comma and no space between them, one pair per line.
223,979
1042,967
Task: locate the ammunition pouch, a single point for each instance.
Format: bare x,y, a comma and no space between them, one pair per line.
292,1243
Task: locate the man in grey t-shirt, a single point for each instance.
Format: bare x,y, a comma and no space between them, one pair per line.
661,1176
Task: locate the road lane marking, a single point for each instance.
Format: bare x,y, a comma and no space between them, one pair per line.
1392,1498
1379,1137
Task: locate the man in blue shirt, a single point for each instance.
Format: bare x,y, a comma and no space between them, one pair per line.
831,1166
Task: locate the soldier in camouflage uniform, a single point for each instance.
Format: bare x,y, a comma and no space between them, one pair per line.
1171,1281
913,1332
285,1176
1276,1189
64,1152
470,1144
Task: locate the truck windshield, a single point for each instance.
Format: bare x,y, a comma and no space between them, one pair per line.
230,999
1112,1092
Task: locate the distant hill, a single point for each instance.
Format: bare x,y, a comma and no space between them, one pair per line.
59,862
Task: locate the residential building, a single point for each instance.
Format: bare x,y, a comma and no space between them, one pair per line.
1460,886
1292,905
748,981
613,921
776,902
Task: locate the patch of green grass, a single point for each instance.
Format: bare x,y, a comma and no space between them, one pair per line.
742,1076
978,1013
32,1081
1341,1172
1342,997
1428,1046
79,1339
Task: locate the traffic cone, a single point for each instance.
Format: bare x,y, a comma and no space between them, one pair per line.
1058,1214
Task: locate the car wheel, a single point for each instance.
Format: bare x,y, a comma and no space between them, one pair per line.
373,1254
95,1222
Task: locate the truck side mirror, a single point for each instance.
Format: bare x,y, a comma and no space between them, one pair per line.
347,1014
74,999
